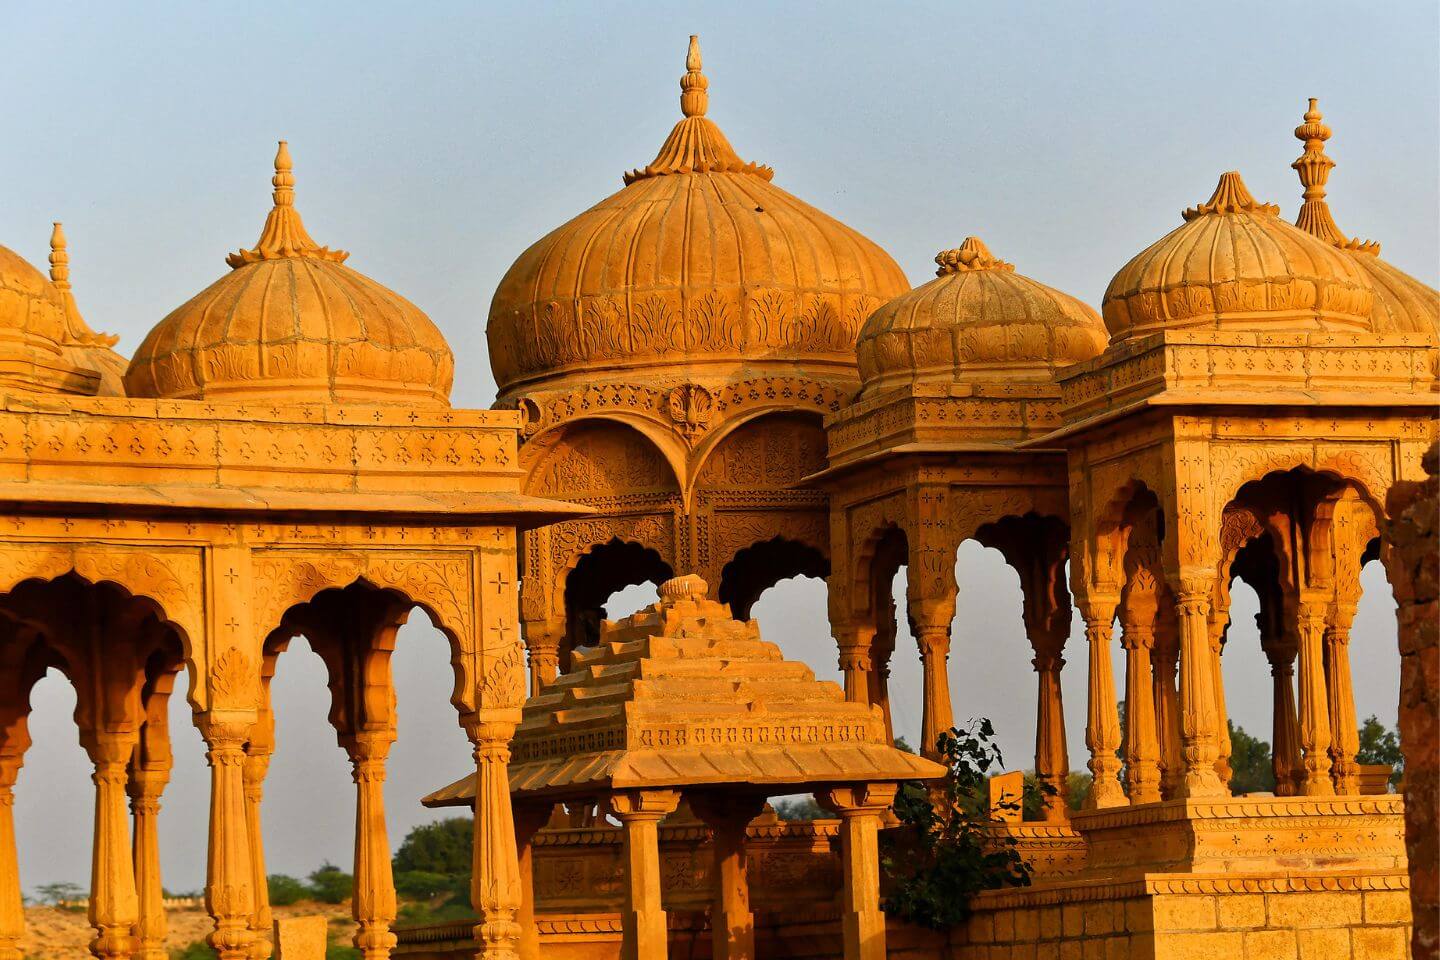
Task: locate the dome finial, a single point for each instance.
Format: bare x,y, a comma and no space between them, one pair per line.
693,99
970,255
284,234
1314,167
59,258
1231,196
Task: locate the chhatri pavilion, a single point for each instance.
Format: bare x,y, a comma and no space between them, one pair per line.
708,384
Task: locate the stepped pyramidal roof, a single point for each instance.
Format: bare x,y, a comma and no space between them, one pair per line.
681,694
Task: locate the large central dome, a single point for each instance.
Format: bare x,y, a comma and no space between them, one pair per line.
700,259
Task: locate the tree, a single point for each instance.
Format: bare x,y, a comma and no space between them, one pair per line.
1380,745
801,809
330,884
946,851
1250,763
56,893
285,890
444,846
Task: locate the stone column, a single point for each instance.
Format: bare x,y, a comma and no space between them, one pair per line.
1280,650
861,919
229,885
528,822
937,716
1218,623
1314,702
732,925
495,872
253,771
643,934
12,903
373,905
114,905
145,788
1199,723
882,648
1142,750
1344,730
854,643
1102,726
1167,707
1052,759
542,644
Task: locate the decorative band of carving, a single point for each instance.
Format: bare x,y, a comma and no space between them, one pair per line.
1085,891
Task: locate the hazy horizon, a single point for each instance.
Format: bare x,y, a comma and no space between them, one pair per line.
437,144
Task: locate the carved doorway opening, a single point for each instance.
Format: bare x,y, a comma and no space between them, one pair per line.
602,572
760,566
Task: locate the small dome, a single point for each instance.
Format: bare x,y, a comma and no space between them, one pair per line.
698,258
977,320
1235,265
32,318
1402,303
292,323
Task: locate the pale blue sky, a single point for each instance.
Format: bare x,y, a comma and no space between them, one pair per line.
437,141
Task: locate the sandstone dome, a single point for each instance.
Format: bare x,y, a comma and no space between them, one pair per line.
32,325
292,323
977,320
1235,265
698,259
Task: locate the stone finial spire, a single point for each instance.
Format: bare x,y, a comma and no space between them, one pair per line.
693,98
1231,196
284,234
1314,167
77,331
59,258
970,255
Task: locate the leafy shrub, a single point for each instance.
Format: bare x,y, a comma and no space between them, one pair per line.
198,950
423,885
945,852
801,809
285,890
445,846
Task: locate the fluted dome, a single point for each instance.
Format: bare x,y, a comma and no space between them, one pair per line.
32,319
699,258
292,323
1402,303
1235,265
977,320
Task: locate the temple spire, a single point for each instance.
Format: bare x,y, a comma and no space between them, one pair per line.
284,234
1314,167
77,331
693,98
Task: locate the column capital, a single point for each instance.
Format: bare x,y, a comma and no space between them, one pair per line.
1136,635
642,804
858,799
933,640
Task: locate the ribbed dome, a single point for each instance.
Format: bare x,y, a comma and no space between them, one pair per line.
32,313
1402,303
977,320
700,257
1235,265
292,323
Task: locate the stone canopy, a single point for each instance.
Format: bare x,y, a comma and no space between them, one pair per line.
682,695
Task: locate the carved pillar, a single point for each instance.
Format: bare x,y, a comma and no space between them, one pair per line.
1217,624
732,925
854,642
495,873
1199,724
643,935
373,905
528,821
253,770
1167,705
1314,702
145,788
861,920
12,903
542,644
1102,727
229,885
882,647
1344,731
1142,768
1052,760
937,715
114,906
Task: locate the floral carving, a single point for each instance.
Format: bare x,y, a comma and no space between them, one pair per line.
233,681
690,408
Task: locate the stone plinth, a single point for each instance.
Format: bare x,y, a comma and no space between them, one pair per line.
301,938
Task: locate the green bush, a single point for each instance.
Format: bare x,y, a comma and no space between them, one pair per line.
944,853
423,885
330,884
195,951
445,846
285,890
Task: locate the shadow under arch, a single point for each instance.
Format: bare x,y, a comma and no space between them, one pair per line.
760,566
